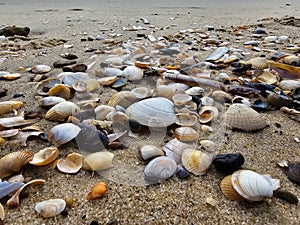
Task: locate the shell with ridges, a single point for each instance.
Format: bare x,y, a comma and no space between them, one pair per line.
51,101
72,163
50,208
151,151
63,133
97,191
122,98
164,91
44,156
174,149
195,161
60,90
13,162
258,63
98,161
61,111
228,190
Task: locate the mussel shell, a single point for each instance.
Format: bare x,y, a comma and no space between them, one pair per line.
293,172
287,196
7,188
63,133
50,208
182,173
160,169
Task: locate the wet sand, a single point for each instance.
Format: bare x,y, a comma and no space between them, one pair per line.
174,201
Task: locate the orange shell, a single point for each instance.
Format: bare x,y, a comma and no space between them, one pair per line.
97,191
228,190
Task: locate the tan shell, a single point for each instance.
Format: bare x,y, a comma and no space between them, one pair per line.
243,117
61,111
2,212
228,190
141,92
39,69
291,60
63,133
60,90
44,156
181,99
195,161
50,208
102,111
208,145
92,85
2,140
133,73
122,98
9,106
268,77
186,134
13,162
206,128
98,161
186,119
258,63
15,121
164,91
221,96
72,163
151,151
106,81
208,114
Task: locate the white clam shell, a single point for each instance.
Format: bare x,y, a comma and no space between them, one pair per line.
39,69
151,151
174,149
195,161
50,208
153,112
110,72
164,91
160,169
181,99
208,145
289,85
141,92
51,101
61,111
44,156
133,73
71,164
102,111
98,161
63,133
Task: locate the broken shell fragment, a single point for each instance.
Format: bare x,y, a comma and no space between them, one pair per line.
151,151
60,90
50,208
2,212
72,163
9,106
98,161
63,133
44,156
14,162
97,191
186,134
61,111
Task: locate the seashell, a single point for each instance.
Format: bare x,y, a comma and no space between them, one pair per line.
174,149
195,161
206,128
283,39
181,99
258,63
293,172
92,85
270,39
186,134
39,69
112,72
228,190
60,90
208,145
186,119
14,162
243,117
228,163
72,163
221,96
14,201
164,91
7,188
178,87
9,133
97,191
287,196
141,92
289,85
133,73
63,133
102,111
182,173
195,91
9,106
122,98
50,208
268,76
208,114
207,101
253,186
278,100
44,156
160,169
151,151
120,82
44,86
291,60
217,54
106,81
2,213
153,112
16,178
61,111
98,161
69,78
79,85
75,68
241,99
51,101
15,122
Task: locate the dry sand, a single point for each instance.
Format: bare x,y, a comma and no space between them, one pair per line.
173,201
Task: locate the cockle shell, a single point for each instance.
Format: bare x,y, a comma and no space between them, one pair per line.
258,63
133,73
44,156
9,106
181,99
50,208
208,114
153,112
122,98
195,161
13,162
63,133
60,90
228,190
2,212
249,185
174,149
98,161
61,111
51,101
160,169
151,151
72,163
243,117
97,191
186,134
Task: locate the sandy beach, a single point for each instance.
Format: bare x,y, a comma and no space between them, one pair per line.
128,200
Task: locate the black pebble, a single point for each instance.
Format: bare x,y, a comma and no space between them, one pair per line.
94,222
228,163
287,196
259,31
62,63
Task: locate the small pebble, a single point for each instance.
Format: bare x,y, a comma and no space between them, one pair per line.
94,222
228,163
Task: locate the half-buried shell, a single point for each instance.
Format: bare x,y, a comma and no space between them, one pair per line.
61,111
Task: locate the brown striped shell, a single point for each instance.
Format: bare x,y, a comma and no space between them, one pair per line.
60,90
258,63
122,98
61,111
13,162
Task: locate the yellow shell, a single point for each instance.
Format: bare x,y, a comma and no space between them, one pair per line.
186,134
258,63
268,77
228,190
61,111
13,162
98,161
9,106
60,90
72,163
44,156
97,191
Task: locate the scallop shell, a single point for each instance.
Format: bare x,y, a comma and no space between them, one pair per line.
186,119
102,111
195,161
98,161
44,156
9,106
50,208
51,101
160,169
208,114
61,111
39,69
60,90
181,99
133,73
258,63
13,162
97,191
2,212
228,190
151,151
186,134
122,98
63,133
243,117
72,163
153,112
174,149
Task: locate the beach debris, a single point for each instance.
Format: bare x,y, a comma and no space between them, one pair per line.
50,208
97,191
228,163
13,30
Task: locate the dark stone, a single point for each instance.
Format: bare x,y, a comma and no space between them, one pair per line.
228,163
134,126
287,196
13,30
293,172
112,221
70,56
259,31
75,68
94,222
62,63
